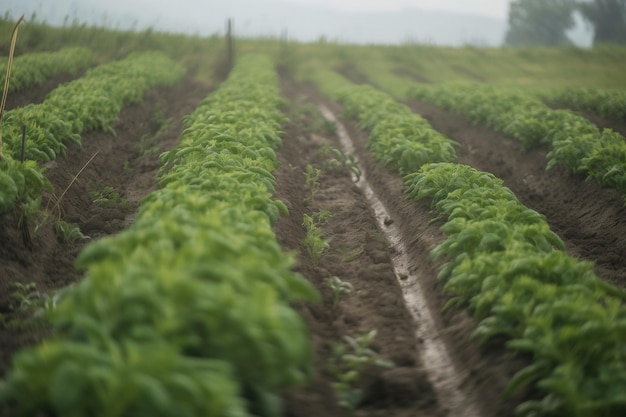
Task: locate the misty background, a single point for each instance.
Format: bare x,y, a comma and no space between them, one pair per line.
299,20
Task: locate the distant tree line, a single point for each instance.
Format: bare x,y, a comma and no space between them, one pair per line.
545,22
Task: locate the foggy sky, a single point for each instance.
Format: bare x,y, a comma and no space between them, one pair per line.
438,22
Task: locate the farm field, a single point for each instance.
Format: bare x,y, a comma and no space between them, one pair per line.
322,230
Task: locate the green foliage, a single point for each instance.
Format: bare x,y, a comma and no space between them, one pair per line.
539,22
33,69
339,288
315,242
68,232
398,137
573,140
186,313
91,102
346,365
311,182
334,160
512,271
606,103
108,197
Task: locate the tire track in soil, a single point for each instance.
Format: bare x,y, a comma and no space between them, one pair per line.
484,371
119,163
589,219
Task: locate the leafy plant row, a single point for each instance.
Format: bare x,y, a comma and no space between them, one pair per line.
91,102
187,313
33,69
573,140
606,103
511,270
398,136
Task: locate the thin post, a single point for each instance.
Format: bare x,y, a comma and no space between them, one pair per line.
230,43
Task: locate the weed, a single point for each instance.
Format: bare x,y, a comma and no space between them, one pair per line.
339,287
335,160
346,364
312,176
108,197
315,243
68,232
28,306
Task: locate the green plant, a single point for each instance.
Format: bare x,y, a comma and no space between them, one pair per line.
314,242
142,333
346,365
68,232
108,197
339,288
335,160
312,176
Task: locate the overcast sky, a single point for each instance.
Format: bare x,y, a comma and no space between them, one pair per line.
438,22
492,8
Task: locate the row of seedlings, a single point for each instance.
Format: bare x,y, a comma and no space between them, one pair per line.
398,137
572,140
509,267
89,103
512,271
610,104
187,313
33,69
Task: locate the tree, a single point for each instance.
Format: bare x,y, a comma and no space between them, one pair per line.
608,18
540,22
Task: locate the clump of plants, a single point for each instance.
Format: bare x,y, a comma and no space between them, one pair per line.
347,363
339,288
68,232
312,176
315,243
108,197
336,161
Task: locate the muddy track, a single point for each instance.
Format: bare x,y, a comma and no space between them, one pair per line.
377,302
590,220
127,162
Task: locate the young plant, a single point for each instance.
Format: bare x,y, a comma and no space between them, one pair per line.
68,232
347,363
339,288
335,160
315,243
312,182
108,197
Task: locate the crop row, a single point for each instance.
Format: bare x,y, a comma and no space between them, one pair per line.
398,136
187,312
33,69
512,271
573,140
606,103
91,102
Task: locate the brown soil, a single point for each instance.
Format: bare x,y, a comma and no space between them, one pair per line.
119,162
413,76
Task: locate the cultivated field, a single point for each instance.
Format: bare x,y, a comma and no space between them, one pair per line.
316,230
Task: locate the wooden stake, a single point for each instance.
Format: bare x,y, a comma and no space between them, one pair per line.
5,92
